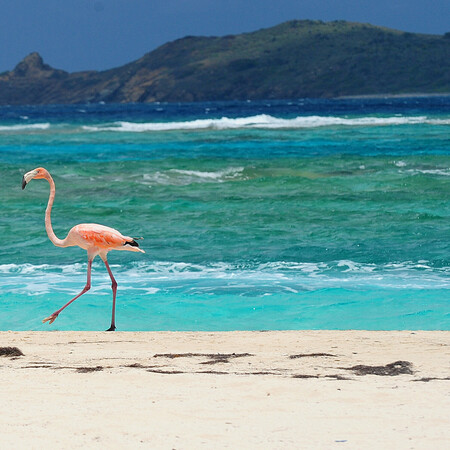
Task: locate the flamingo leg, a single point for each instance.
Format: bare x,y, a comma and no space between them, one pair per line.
52,317
114,289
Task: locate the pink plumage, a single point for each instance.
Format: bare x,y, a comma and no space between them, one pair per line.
100,238
94,238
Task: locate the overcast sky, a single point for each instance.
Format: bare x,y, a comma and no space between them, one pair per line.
100,34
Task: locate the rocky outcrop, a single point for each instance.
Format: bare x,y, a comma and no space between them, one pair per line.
292,60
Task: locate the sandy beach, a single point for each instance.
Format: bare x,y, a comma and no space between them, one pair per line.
275,389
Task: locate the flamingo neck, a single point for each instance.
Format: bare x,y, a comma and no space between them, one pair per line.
48,222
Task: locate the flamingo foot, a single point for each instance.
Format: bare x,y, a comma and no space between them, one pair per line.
111,328
50,319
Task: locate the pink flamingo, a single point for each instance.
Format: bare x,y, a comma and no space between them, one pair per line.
96,239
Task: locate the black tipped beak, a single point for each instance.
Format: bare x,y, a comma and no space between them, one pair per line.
24,182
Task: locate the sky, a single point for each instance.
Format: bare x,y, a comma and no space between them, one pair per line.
76,35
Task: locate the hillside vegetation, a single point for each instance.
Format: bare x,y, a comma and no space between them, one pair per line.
292,60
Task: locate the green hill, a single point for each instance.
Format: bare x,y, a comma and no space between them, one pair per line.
292,60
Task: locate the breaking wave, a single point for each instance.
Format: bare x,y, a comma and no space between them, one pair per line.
264,121
25,127
440,172
225,278
176,177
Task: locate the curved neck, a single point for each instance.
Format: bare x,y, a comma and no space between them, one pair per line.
48,222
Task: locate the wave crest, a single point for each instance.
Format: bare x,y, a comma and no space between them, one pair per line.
219,278
25,127
264,121
177,177
261,121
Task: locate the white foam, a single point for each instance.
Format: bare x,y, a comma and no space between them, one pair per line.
439,172
25,127
438,121
443,172
355,267
253,279
230,172
177,177
264,121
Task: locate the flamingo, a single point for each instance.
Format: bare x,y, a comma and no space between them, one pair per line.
96,239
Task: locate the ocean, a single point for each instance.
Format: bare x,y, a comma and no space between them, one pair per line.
257,215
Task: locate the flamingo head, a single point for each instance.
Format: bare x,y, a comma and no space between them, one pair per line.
40,172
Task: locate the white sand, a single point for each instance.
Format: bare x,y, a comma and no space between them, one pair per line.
251,401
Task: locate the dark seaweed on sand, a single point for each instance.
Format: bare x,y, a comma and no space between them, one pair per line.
10,351
214,358
89,369
309,355
390,370
207,355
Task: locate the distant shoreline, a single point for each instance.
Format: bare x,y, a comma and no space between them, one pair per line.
295,59
342,97
376,96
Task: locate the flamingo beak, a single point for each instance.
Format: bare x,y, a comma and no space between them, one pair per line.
28,177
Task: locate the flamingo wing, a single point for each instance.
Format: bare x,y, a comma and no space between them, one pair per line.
105,238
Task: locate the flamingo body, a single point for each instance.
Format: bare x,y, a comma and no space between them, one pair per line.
94,238
100,239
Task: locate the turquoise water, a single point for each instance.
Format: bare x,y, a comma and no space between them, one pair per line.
302,214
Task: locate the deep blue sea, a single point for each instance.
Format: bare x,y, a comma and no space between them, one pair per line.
300,214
